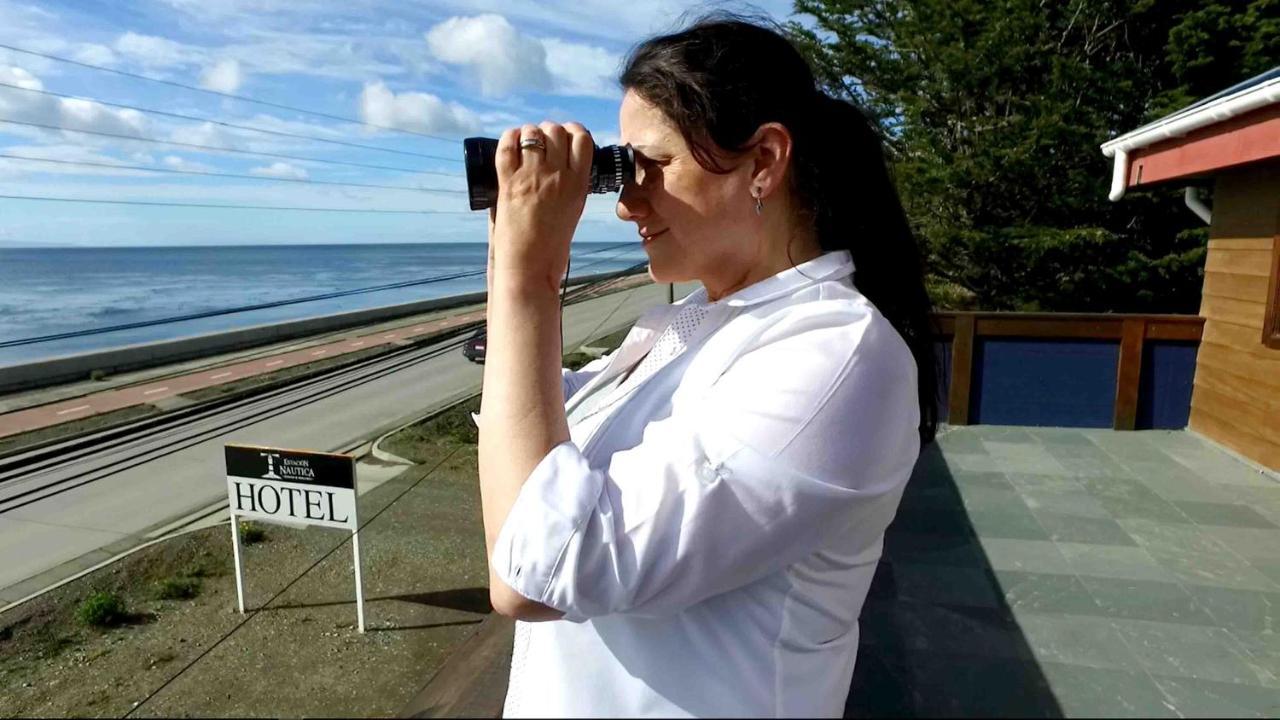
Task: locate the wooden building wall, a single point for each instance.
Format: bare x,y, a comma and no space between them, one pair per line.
1236,395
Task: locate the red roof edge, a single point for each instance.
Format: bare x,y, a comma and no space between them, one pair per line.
1248,138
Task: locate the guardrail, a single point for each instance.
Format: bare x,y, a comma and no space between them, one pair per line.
68,368
1068,369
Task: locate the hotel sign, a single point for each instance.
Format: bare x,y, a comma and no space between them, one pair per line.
292,487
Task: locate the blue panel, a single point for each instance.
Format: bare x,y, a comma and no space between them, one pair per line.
1063,383
1164,392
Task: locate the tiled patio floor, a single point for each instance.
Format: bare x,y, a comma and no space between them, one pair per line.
1065,572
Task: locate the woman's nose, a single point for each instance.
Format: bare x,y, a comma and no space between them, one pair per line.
631,206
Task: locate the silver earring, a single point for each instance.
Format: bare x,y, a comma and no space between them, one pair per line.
759,205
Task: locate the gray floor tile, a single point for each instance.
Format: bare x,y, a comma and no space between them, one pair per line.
1009,522
896,627
1077,502
1172,538
1188,651
1222,569
1043,481
1179,486
1270,568
1075,640
964,479
1114,561
1146,600
1263,651
1223,514
1040,556
1046,593
979,687
1149,507
1244,610
1093,692
919,549
1074,529
1248,542
945,585
1209,699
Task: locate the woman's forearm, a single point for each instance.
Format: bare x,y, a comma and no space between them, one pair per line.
522,409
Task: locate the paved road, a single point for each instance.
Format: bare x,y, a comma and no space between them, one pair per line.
119,501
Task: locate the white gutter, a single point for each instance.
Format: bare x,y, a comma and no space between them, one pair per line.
1192,198
1178,125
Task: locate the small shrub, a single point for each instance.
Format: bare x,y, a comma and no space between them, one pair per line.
251,533
102,609
97,375
178,588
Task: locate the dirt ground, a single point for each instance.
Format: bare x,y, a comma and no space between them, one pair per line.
424,583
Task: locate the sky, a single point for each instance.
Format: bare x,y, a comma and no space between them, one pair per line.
444,68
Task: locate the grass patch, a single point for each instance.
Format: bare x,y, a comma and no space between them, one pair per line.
178,588
102,610
251,533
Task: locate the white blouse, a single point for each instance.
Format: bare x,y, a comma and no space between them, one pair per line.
712,526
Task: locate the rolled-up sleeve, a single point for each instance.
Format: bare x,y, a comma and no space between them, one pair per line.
802,438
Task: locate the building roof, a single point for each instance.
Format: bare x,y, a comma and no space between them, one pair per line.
1236,126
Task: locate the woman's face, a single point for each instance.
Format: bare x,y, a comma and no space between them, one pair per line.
701,223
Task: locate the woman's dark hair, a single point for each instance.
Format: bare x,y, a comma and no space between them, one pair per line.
721,78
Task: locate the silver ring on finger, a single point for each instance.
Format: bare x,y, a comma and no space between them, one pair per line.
533,143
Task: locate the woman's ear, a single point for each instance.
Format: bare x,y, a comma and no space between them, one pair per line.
772,154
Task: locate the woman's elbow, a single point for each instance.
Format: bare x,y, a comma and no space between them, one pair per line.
509,603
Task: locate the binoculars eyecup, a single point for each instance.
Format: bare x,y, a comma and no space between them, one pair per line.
612,167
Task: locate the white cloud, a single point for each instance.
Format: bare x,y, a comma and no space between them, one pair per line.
62,112
416,111
497,55
280,170
223,76
156,52
177,162
583,69
94,54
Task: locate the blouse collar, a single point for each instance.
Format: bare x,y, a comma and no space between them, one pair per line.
831,265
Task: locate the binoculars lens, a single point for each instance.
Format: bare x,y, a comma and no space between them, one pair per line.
612,167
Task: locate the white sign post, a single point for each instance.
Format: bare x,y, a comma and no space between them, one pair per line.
293,487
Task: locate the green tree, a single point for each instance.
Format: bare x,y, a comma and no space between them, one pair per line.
994,111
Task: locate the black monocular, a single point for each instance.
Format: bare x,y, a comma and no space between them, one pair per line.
612,166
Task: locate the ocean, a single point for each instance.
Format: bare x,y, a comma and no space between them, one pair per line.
47,291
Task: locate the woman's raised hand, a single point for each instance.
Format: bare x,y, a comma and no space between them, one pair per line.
541,195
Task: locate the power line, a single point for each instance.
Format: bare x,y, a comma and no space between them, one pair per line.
175,171
196,146
242,98
194,118
150,203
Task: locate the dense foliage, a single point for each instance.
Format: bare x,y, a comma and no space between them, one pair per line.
994,111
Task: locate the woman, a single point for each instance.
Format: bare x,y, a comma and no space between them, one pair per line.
696,534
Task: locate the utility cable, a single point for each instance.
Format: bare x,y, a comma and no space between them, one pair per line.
216,148
230,96
254,613
251,128
243,176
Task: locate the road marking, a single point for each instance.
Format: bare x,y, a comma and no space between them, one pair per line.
357,344
74,409
220,375
153,392
319,352
389,335
274,362
420,328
